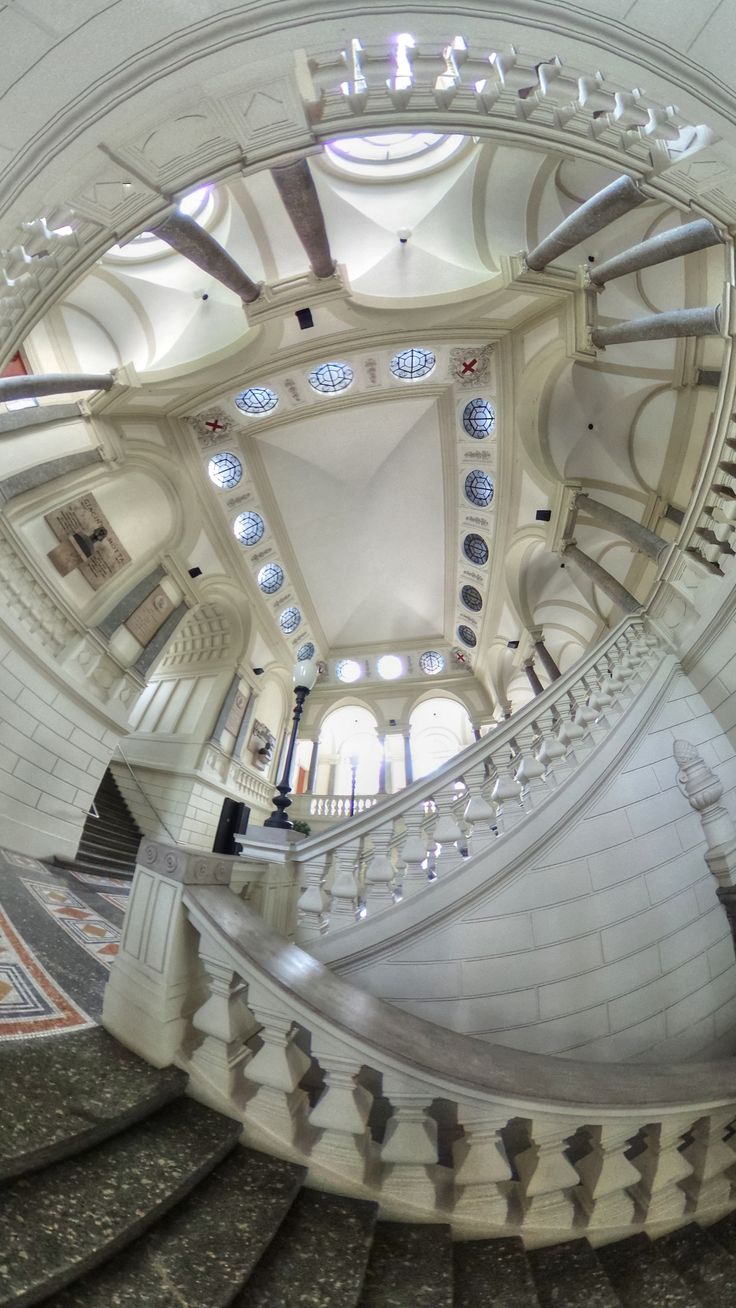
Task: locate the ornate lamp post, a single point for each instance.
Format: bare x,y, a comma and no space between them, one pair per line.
304,676
353,776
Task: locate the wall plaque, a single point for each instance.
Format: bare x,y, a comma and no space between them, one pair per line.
235,716
80,518
145,621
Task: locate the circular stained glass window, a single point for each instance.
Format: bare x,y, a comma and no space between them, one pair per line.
290,619
479,488
479,419
471,598
249,527
475,549
389,666
256,400
348,670
330,378
225,470
305,652
409,365
431,662
466,635
271,578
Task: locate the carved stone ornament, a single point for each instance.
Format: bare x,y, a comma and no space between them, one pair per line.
188,869
471,365
262,744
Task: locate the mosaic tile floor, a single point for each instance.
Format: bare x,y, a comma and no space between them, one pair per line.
94,933
31,1003
118,901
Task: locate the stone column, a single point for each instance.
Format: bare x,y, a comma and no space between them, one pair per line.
532,677
186,236
408,761
312,774
225,708
295,185
705,321
598,575
658,249
704,790
382,765
545,658
59,383
644,540
607,205
245,726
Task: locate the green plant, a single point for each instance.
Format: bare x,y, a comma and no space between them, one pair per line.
303,827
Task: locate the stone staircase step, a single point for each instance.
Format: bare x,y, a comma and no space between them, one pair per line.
703,1264
317,1258
109,855
98,869
570,1276
493,1274
724,1233
409,1264
111,836
203,1251
57,1102
59,1223
640,1273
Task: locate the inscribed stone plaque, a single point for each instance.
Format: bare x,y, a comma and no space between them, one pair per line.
85,515
145,621
235,716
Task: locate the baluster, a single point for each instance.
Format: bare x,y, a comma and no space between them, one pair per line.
711,1159
277,1105
446,833
529,771
479,813
662,1167
344,1144
551,752
379,879
225,1021
483,1174
409,1150
313,903
414,853
506,795
345,885
548,1179
606,1176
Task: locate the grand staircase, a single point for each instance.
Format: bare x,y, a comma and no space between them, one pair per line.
117,1189
110,840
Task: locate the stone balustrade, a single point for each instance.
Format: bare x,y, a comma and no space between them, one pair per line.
379,1104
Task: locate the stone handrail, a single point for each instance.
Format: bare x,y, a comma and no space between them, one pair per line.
377,1103
407,840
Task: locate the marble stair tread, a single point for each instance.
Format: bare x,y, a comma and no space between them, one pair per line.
493,1274
409,1263
570,1276
97,868
317,1259
69,1092
204,1249
62,1222
640,1273
703,1265
724,1233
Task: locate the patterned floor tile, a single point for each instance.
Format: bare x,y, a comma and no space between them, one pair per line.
94,933
97,883
118,901
31,1003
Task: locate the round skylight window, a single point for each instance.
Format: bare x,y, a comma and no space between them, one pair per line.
479,488
256,400
389,667
467,635
431,662
290,619
225,470
475,549
348,670
305,652
391,154
471,598
270,578
479,419
412,364
329,378
249,527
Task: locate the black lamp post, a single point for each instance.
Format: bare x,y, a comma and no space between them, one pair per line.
304,676
353,777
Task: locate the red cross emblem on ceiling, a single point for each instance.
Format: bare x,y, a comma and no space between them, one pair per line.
460,657
469,365
214,424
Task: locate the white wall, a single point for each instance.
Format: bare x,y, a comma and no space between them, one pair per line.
610,944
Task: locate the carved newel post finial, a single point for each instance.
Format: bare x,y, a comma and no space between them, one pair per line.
703,790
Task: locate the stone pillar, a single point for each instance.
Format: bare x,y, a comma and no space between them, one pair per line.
382,765
295,185
607,205
704,790
545,658
644,540
225,708
598,575
245,726
408,761
312,774
658,249
532,677
705,321
31,387
186,236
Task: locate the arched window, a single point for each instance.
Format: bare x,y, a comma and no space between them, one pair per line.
349,733
440,728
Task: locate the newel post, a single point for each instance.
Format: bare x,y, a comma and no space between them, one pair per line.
157,980
703,790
